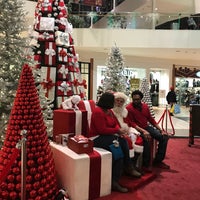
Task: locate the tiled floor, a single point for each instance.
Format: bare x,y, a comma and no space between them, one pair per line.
180,121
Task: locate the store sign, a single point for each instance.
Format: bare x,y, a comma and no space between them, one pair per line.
129,73
134,83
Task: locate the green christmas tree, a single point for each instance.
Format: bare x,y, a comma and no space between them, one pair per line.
12,55
114,79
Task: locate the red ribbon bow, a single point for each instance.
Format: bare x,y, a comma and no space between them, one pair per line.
62,53
48,84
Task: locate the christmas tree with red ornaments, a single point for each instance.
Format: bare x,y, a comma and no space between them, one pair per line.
26,116
54,52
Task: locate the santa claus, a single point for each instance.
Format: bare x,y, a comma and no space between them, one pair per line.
121,113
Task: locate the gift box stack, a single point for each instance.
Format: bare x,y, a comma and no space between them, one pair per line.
54,52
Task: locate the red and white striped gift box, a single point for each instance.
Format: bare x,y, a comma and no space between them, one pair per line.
50,53
48,76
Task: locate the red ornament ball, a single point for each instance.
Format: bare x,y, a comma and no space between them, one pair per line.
13,195
11,178
4,194
29,178
33,193
11,186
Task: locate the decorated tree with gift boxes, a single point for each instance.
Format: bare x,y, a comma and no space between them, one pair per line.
54,52
39,171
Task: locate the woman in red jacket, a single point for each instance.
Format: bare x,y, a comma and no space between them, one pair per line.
106,131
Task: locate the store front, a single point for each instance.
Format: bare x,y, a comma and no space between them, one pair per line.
187,82
134,76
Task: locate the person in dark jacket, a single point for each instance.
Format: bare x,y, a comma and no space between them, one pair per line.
171,98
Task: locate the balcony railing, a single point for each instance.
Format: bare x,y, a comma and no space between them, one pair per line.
85,16
133,20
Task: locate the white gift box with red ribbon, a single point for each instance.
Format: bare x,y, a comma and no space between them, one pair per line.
62,72
64,88
46,24
48,77
50,53
62,38
84,176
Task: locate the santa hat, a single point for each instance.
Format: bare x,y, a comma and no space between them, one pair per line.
120,95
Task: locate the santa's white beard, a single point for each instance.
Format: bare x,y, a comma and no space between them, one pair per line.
121,113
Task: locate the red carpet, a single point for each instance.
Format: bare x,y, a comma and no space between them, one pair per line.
180,182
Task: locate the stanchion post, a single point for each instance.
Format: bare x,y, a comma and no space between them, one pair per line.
23,165
166,113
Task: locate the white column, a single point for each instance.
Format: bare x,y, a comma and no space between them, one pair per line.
196,6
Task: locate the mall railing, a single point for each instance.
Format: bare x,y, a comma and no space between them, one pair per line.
107,18
133,20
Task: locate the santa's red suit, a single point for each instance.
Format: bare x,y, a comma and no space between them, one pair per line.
121,114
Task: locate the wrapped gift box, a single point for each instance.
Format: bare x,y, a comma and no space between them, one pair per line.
69,121
63,138
62,72
46,6
62,24
84,176
62,55
80,146
46,24
50,53
48,75
62,38
64,88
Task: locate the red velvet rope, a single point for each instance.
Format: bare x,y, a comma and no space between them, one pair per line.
9,165
162,121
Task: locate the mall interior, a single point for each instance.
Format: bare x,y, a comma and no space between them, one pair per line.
154,36
160,43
